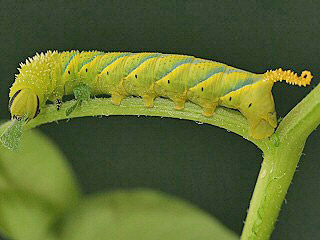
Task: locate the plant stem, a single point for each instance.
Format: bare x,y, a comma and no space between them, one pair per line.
273,182
279,164
225,118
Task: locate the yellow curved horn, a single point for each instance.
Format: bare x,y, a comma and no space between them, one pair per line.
289,76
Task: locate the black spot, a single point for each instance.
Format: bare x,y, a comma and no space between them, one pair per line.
168,81
230,98
136,76
86,69
305,76
107,73
250,105
14,96
38,107
68,72
202,89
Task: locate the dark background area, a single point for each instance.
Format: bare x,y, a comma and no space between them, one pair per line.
203,164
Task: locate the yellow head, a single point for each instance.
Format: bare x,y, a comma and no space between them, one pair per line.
24,103
29,90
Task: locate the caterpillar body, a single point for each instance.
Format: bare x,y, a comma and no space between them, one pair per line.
51,75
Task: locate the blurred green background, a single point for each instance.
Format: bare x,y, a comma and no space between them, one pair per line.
205,165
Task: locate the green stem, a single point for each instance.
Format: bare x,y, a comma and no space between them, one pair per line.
279,164
225,118
273,182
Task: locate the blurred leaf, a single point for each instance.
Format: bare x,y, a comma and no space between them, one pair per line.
24,216
141,214
39,168
36,187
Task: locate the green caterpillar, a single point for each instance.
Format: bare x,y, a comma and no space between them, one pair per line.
181,78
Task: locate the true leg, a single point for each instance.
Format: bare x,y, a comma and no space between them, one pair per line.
82,93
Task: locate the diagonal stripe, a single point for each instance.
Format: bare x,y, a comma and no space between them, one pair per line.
144,60
178,64
115,59
72,57
98,54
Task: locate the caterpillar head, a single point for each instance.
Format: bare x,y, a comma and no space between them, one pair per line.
24,103
257,105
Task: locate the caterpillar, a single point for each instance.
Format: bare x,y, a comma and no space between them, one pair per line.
181,78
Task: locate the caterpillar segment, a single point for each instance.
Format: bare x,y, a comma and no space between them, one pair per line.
70,77
109,76
141,80
180,78
129,71
202,84
59,63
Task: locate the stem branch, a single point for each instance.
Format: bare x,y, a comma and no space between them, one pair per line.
279,164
